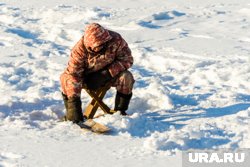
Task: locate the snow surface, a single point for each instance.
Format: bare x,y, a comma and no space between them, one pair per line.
192,86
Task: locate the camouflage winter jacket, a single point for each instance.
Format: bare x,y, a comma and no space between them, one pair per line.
116,57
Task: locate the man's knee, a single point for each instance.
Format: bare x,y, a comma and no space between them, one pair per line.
124,83
127,77
69,85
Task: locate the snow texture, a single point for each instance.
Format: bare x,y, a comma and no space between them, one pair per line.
192,81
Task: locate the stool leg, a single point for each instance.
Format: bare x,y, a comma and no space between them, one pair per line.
93,105
100,103
97,102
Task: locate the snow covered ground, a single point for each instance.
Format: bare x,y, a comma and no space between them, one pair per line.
192,86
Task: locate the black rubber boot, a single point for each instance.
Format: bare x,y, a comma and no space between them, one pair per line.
73,109
122,102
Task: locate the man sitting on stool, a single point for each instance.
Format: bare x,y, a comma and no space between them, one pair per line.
100,57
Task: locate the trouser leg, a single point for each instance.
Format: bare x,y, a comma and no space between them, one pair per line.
124,85
71,98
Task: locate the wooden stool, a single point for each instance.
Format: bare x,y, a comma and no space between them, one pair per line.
96,102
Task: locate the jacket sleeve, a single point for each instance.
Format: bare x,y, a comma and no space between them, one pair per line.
123,59
77,61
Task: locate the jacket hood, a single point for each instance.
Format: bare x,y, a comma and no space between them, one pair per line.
95,35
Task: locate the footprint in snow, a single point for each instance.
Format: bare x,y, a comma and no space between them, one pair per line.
9,159
22,33
167,15
156,20
5,44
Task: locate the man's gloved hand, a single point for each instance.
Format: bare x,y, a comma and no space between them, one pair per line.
97,79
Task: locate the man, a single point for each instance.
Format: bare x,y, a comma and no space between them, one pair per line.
100,57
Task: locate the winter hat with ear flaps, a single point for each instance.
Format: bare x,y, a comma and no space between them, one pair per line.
95,35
